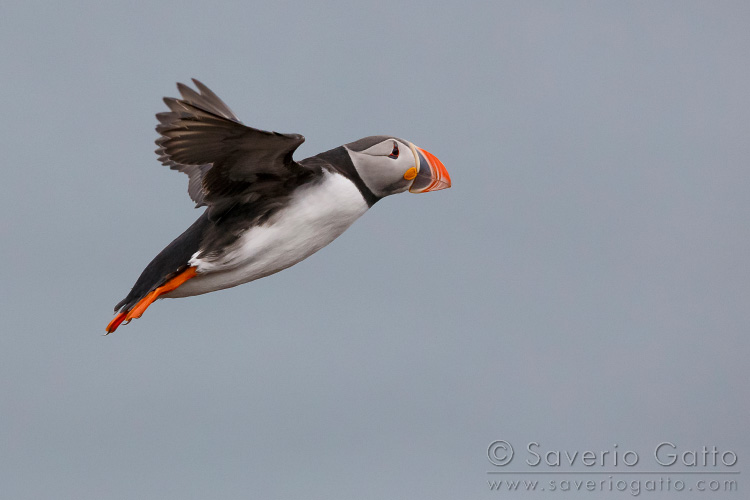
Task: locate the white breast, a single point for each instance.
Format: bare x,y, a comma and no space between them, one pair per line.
315,217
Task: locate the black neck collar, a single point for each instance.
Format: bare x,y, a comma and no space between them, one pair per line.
340,161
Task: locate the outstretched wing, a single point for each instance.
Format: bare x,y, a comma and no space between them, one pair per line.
227,162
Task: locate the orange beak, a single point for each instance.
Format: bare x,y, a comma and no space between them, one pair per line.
432,175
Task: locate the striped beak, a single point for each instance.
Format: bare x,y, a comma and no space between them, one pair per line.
431,173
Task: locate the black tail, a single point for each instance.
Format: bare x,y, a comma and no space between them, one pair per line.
170,261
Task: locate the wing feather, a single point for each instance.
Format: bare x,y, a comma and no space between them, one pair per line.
223,158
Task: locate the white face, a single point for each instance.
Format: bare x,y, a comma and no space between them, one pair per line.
388,167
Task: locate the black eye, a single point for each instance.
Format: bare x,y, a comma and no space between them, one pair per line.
394,153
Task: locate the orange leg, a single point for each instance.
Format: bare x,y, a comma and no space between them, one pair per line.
167,287
146,301
112,326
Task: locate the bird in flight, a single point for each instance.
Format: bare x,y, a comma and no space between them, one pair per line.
265,211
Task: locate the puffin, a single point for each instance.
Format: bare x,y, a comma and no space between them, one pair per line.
264,211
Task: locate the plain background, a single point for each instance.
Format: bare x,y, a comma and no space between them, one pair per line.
584,285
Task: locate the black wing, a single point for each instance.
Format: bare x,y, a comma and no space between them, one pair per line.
227,162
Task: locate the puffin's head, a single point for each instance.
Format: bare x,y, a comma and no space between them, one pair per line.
389,165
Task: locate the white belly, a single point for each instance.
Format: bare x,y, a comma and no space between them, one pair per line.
315,217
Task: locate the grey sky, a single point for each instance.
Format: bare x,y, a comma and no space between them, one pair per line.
585,282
